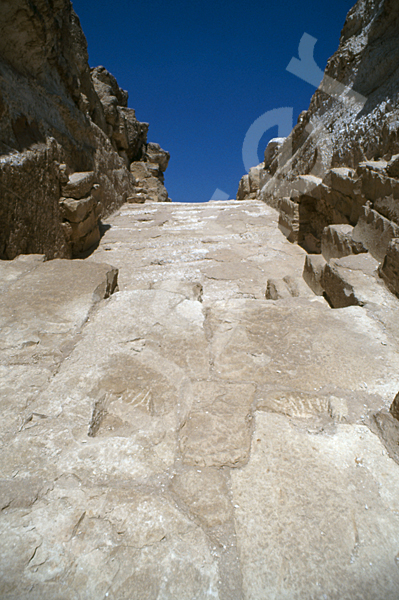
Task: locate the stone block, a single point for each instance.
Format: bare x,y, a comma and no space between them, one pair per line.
79,185
272,150
376,184
337,241
243,188
85,243
378,166
155,154
343,180
389,270
79,230
289,219
312,272
339,292
375,232
307,185
254,176
393,166
388,207
350,281
76,211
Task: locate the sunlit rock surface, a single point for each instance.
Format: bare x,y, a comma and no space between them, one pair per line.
182,436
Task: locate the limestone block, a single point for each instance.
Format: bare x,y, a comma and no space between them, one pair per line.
271,151
393,166
307,185
53,300
205,493
286,494
155,154
138,198
139,170
337,290
379,166
254,177
81,229
375,232
289,219
388,207
343,180
376,184
389,270
338,204
243,188
119,134
351,281
87,241
337,241
76,211
79,185
287,287
313,271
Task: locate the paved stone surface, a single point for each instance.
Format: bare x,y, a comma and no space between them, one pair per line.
187,437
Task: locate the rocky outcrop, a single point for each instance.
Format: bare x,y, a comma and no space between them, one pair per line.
339,165
149,175
251,184
58,118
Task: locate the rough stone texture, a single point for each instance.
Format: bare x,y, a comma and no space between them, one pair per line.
155,155
149,183
337,241
347,140
52,122
313,271
271,151
389,270
186,437
375,232
244,188
393,166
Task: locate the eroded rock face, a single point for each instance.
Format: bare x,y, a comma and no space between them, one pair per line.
54,121
339,165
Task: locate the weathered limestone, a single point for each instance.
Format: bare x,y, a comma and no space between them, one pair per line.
185,437
337,241
57,119
271,151
375,232
339,165
389,269
313,272
149,183
81,212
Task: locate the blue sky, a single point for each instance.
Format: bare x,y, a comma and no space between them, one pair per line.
202,72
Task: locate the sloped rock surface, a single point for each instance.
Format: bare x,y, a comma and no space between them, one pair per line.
187,437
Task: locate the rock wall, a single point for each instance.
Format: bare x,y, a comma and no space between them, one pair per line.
58,119
340,163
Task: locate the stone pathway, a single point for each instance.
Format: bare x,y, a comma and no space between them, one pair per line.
186,438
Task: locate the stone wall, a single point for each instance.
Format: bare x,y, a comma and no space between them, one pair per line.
57,118
340,164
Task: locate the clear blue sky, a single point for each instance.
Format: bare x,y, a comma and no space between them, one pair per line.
201,72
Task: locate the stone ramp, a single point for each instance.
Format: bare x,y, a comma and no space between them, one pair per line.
198,440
